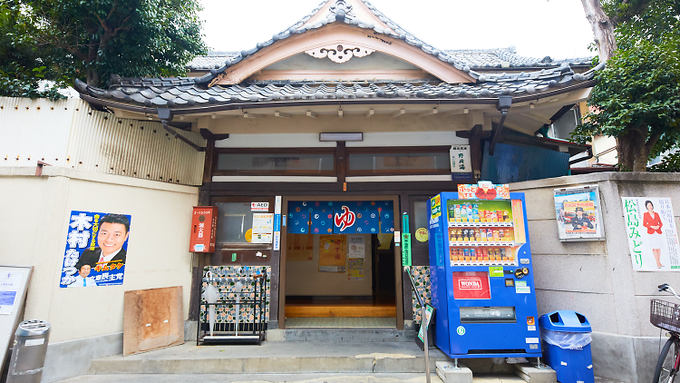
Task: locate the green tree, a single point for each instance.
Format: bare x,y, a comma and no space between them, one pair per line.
637,98
92,39
21,66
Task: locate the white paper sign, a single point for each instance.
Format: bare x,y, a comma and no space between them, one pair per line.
356,247
263,227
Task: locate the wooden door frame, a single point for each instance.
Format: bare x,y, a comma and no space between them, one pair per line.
399,298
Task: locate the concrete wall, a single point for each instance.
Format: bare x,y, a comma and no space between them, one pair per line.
303,277
597,278
33,231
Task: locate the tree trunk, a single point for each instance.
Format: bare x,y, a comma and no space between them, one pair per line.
92,77
633,149
624,150
603,28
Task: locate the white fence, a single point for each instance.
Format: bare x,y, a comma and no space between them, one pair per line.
68,133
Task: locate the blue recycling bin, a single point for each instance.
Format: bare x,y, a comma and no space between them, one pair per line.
566,346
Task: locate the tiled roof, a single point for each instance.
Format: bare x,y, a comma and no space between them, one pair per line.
508,58
185,92
474,58
342,12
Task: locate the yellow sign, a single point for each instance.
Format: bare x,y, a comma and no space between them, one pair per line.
422,234
249,235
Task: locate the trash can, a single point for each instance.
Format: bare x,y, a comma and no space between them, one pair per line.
566,346
28,353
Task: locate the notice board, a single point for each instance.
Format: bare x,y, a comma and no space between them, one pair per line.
13,286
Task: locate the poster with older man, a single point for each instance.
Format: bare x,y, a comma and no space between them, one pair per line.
578,214
96,249
652,234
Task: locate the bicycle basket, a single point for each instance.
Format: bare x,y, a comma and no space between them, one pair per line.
665,315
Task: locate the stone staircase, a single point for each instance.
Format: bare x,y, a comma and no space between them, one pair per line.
309,355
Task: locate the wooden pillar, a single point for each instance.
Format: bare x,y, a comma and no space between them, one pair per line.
475,137
200,260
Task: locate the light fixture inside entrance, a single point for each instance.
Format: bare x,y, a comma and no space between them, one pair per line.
341,136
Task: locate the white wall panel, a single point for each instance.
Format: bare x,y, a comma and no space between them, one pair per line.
69,134
35,130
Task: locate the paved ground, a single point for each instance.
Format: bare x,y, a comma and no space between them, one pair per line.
298,378
319,356
263,378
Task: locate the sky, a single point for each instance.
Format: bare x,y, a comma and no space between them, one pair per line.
536,28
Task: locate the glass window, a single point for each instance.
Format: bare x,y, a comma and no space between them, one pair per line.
421,219
234,219
399,162
277,162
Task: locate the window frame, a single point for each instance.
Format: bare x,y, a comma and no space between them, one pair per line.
283,151
446,149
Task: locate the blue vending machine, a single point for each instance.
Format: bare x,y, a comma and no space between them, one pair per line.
482,274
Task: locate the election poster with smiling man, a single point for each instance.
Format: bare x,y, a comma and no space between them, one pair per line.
96,249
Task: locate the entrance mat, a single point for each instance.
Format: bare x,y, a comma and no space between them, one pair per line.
341,323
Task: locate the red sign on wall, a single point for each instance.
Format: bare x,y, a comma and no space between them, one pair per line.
471,285
203,229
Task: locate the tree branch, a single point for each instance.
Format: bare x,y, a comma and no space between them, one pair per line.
603,28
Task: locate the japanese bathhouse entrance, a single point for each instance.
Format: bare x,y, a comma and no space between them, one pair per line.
339,265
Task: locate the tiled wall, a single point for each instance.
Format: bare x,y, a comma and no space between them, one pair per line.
421,277
226,290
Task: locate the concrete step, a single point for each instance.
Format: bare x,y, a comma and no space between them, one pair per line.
341,335
273,358
257,378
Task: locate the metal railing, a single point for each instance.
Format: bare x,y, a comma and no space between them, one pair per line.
250,301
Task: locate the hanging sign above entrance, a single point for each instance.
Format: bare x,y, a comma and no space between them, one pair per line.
333,217
461,168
